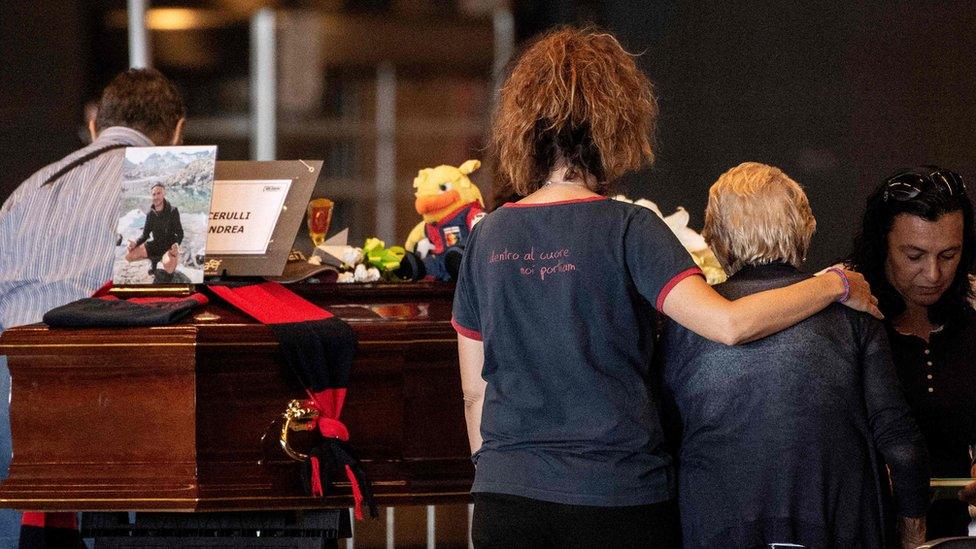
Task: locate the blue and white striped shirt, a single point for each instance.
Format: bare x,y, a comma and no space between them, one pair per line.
57,241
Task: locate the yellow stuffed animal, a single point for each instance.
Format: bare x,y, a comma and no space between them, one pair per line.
450,205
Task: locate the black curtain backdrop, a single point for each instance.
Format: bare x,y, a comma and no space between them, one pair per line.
837,93
44,47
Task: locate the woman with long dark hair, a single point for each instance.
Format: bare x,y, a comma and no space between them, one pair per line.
916,248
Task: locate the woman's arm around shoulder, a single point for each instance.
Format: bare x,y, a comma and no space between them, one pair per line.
696,306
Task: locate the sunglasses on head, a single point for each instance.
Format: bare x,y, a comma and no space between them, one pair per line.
908,185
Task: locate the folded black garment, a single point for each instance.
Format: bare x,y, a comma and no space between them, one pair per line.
101,312
34,537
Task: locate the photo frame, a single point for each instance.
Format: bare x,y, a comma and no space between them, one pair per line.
164,206
248,259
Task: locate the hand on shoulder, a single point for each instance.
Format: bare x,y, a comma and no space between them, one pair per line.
854,290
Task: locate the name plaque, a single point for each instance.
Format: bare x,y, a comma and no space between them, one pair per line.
243,215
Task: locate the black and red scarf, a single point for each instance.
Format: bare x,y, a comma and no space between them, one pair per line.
319,348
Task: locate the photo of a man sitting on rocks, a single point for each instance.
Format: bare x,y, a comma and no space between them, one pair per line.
164,227
164,241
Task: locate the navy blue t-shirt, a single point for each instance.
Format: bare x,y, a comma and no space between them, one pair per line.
561,294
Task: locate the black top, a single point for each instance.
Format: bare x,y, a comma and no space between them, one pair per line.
166,229
561,295
781,436
939,379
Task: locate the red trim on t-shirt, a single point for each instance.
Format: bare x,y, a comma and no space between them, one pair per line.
663,294
466,332
556,203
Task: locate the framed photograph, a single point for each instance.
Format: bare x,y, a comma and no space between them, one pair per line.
164,215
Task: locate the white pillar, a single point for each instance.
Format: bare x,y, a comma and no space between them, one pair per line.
431,527
503,26
264,86
385,183
470,520
140,55
351,541
390,529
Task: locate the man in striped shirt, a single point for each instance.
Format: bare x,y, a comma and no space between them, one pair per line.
58,228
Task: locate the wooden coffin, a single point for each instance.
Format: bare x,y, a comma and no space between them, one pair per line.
172,418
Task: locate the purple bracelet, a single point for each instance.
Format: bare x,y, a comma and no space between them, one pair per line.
847,283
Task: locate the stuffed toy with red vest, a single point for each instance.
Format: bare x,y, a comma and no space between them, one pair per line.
450,205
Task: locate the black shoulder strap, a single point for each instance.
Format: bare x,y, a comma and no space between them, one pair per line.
81,160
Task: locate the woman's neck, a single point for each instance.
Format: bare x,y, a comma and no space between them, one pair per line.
915,321
558,187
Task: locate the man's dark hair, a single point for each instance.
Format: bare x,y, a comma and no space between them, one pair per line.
160,185
144,100
871,245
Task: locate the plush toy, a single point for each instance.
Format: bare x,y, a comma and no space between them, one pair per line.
450,205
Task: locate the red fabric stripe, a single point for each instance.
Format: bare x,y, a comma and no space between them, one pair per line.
198,297
103,294
434,235
31,518
357,494
663,294
466,332
316,479
271,303
556,203
50,520
333,428
328,401
103,290
293,300
338,400
329,405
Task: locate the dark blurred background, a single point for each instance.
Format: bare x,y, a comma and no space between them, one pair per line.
837,93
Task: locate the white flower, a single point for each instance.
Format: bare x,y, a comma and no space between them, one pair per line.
345,278
315,260
372,274
352,256
360,273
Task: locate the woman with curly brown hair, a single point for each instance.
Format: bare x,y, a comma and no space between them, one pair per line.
554,309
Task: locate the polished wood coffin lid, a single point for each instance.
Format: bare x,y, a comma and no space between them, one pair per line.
172,418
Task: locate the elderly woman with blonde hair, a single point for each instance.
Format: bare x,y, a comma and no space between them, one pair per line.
780,438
